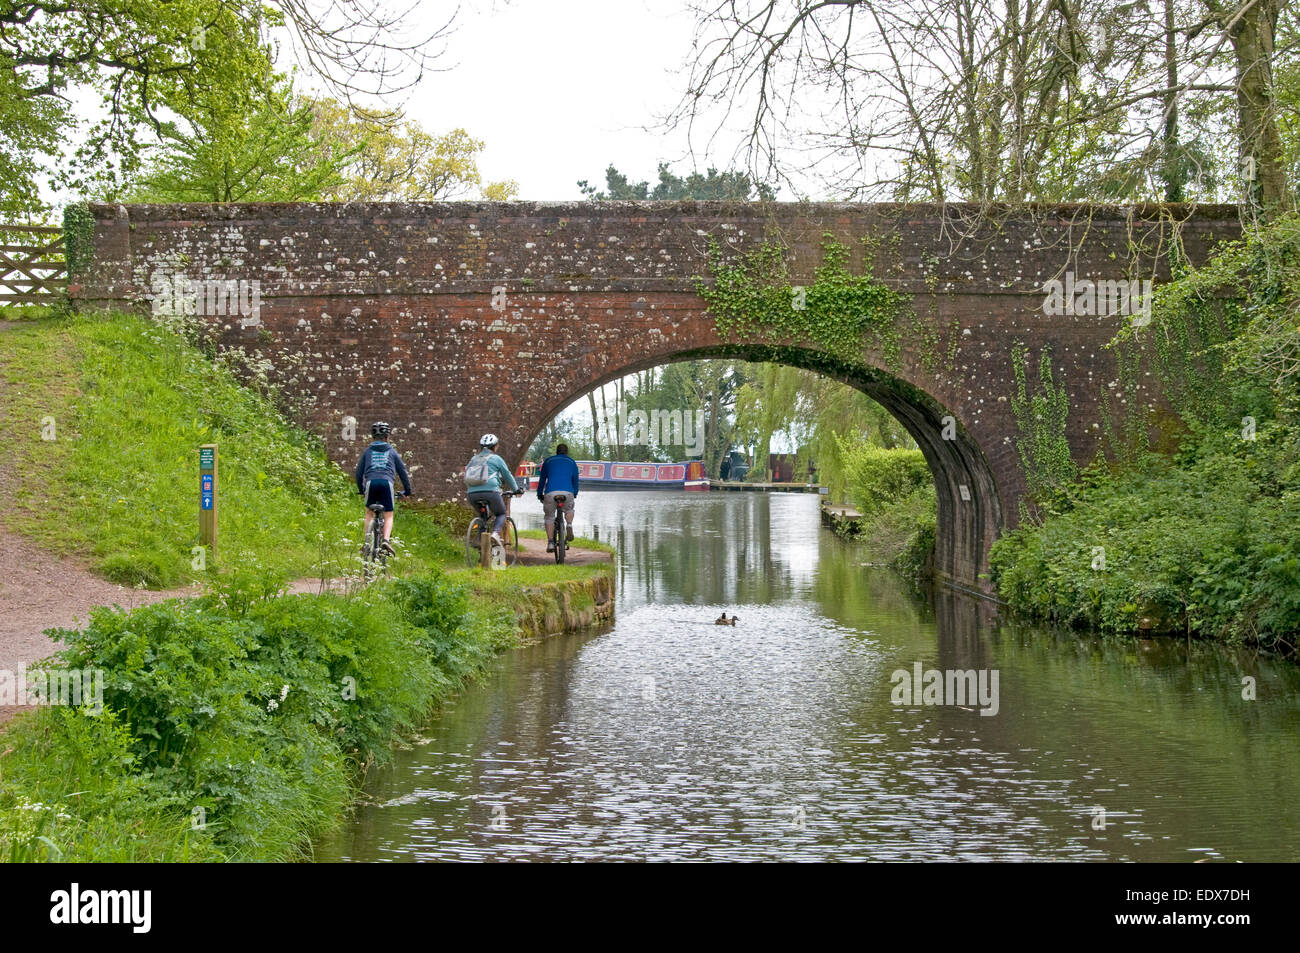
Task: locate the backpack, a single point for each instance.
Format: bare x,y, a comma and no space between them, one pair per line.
478,471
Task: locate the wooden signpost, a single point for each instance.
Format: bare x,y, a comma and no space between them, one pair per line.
208,497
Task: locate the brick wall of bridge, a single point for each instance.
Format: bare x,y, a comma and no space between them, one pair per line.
387,311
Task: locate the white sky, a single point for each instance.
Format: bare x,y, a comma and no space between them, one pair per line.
559,89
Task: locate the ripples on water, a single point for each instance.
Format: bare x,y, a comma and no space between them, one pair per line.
668,738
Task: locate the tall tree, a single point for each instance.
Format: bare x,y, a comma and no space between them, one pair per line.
732,186
242,149
996,100
144,60
1251,27
391,158
765,405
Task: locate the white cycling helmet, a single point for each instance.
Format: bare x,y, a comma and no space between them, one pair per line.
488,440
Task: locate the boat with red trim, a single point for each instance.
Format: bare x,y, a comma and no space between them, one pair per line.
633,475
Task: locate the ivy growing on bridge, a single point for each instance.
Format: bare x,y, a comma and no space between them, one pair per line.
752,298
1040,421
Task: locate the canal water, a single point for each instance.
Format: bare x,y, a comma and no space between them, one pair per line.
666,737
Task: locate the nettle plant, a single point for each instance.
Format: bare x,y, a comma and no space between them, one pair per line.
752,297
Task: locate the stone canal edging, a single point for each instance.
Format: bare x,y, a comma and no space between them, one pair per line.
555,608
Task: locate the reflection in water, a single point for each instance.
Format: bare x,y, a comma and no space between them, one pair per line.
667,737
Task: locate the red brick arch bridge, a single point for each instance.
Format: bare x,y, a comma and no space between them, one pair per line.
453,319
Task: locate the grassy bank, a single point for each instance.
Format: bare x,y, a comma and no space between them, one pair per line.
1206,545
235,725
104,415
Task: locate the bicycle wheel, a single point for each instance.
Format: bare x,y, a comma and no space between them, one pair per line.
374,557
472,540
561,534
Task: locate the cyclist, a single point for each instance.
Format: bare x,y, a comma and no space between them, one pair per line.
558,475
378,469
483,476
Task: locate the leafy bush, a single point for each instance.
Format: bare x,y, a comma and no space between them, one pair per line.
1207,545
919,520
878,478
252,708
894,492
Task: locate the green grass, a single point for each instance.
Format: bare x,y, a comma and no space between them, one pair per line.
31,312
130,403
486,581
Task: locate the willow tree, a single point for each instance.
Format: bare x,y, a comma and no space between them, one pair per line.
765,406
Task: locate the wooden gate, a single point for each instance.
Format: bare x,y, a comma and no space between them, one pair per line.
32,266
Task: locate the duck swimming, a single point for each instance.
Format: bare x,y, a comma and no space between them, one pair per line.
723,620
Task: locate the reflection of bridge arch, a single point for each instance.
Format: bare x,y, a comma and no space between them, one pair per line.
452,319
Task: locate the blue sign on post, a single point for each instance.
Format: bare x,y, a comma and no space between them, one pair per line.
208,496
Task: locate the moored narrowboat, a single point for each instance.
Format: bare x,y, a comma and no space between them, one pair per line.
618,474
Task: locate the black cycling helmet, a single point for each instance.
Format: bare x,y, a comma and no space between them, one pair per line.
380,429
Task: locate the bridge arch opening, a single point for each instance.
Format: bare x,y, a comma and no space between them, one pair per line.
969,506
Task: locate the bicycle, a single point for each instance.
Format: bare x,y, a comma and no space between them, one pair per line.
479,549
560,537
374,552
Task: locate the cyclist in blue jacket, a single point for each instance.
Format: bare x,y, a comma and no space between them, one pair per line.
559,474
378,469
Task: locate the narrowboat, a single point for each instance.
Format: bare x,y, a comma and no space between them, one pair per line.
616,474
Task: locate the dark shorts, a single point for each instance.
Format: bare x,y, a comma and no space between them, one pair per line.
380,491
492,498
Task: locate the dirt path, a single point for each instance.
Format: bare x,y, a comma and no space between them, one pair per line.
39,591
532,552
